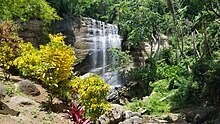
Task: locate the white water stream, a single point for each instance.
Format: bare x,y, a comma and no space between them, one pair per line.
102,37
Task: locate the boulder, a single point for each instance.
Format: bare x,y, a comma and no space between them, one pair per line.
27,87
20,101
2,91
16,78
128,114
149,119
197,116
117,112
4,109
133,120
173,117
118,115
113,96
121,95
181,121
217,120
114,116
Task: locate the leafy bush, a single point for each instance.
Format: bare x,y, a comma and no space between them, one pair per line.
92,93
175,79
56,66
186,94
26,10
169,71
159,99
9,44
156,103
162,99
136,105
174,90
29,60
123,59
146,74
52,64
57,60
138,74
97,9
207,74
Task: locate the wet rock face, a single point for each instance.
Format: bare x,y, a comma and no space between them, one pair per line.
69,26
99,38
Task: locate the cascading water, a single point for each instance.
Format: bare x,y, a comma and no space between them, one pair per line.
101,38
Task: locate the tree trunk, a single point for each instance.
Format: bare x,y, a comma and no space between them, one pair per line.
206,43
171,6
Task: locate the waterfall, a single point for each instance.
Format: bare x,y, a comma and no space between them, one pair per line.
102,37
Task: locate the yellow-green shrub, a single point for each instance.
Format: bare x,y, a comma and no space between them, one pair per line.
57,60
6,55
9,44
92,92
29,60
52,64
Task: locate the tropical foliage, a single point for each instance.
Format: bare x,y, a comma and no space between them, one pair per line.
25,10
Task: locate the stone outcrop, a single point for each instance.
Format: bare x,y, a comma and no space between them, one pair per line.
22,101
33,31
70,26
27,87
118,115
217,120
143,49
121,95
74,28
2,91
4,109
201,114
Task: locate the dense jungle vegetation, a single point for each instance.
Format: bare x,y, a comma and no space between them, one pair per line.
184,73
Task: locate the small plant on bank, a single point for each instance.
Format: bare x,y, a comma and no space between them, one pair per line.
76,114
9,46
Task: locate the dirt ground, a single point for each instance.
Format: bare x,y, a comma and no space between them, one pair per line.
30,108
